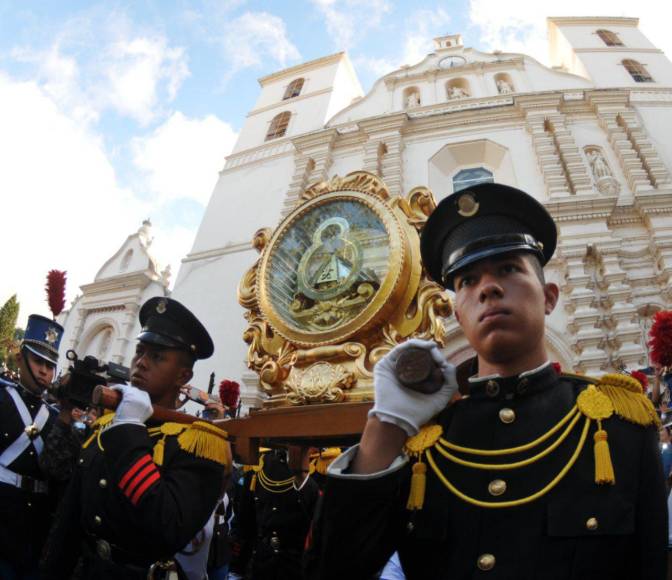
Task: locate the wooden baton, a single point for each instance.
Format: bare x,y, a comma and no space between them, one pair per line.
416,370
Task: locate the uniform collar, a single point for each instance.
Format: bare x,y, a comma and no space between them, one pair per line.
526,383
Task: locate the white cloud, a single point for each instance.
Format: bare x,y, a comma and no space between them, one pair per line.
348,20
255,37
92,67
182,157
424,26
520,26
62,205
136,70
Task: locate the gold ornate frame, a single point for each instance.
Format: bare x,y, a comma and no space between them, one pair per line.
301,367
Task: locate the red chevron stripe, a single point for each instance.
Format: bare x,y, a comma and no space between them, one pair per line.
144,487
134,469
137,480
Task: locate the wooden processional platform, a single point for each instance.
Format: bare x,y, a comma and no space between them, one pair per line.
326,425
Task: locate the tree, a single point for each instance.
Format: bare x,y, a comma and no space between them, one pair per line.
8,316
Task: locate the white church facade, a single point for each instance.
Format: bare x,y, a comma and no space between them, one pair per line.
588,137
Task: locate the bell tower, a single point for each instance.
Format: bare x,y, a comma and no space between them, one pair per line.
610,51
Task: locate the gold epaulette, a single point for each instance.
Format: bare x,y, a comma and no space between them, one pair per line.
321,462
628,399
97,426
203,439
166,429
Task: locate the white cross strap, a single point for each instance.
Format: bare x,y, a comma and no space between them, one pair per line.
23,441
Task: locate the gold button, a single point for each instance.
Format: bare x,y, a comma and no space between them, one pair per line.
592,524
97,520
102,483
497,487
486,562
507,415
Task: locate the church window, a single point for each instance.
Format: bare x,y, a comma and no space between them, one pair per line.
278,126
637,71
293,89
610,38
468,177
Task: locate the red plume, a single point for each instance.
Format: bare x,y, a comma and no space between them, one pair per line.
56,291
641,377
661,339
229,393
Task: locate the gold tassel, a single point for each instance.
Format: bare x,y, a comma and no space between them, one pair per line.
604,470
205,440
253,482
416,497
158,451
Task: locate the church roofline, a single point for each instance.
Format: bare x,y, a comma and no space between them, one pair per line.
303,67
593,20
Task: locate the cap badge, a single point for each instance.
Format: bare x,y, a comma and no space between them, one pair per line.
51,336
161,307
467,205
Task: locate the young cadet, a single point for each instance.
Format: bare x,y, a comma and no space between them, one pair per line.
143,489
27,424
534,475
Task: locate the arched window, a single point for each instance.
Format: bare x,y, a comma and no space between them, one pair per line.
278,126
293,89
468,177
637,71
609,38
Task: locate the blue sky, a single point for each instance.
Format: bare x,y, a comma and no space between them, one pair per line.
112,112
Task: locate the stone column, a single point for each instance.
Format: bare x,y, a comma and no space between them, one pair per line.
383,151
126,338
312,159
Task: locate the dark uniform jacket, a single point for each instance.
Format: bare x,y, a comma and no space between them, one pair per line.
129,506
25,511
577,531
273,524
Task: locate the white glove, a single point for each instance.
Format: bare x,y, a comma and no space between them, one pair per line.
405,407
135,406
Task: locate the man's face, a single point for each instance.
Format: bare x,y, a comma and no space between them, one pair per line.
158,370
42,370
501,306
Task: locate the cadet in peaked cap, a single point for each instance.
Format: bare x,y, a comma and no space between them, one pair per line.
537,474
31,433
166,322
43,337
143,488
485,220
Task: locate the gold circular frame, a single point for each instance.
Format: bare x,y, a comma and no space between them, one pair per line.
386,300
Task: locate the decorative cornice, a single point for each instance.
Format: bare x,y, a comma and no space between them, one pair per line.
232,248
593,20
263,152
611,49
285,103
322,139
301,68
581,208
126,281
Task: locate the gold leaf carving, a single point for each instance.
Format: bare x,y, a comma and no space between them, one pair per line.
356,181
321,382
417,206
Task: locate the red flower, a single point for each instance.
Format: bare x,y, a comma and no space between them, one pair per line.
641,377
229,393
55,291
557,367
661,339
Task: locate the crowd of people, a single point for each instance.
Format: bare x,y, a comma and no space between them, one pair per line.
510,467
